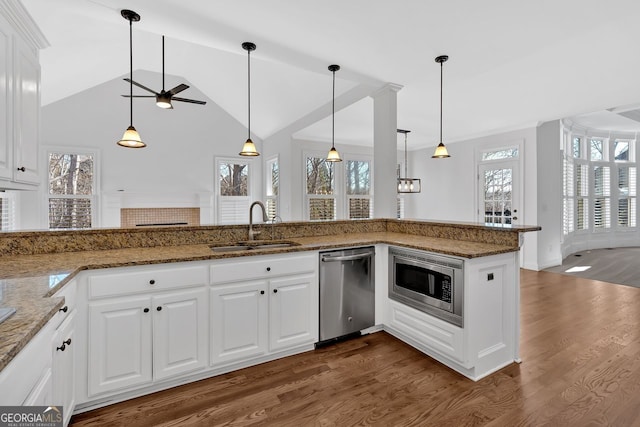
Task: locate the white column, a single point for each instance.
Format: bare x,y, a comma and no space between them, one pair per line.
385,125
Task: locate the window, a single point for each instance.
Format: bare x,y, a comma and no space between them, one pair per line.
576,145
582,196
627,196
71,190
321,200
601,201
7,211
338,190
359,199
621,150
597,149
233,191
507,153
568,196
273,185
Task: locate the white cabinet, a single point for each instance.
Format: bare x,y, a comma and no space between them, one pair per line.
180,332
238,321
262,305
293,318
119,344
136,340
20,41
64,344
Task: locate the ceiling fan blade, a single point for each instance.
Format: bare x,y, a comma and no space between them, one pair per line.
139,96
141,86
178,89
192,101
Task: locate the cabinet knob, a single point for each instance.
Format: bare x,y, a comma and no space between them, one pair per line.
261,292
146,310
64,345
152,282
268,268
515,218
64,309
275,291
22,169
159,308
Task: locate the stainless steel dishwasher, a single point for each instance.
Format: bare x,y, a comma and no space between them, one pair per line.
347,292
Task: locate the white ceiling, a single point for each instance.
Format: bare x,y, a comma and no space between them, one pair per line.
512,63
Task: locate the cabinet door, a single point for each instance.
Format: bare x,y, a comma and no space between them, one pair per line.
180,329
64,344
238,321
41,395
293,311
119,344
6,102
26,114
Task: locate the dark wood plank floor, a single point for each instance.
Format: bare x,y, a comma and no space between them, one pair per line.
581,367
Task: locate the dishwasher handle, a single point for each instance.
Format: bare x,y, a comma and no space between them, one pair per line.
328,258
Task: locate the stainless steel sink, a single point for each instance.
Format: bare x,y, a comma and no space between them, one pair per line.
248,246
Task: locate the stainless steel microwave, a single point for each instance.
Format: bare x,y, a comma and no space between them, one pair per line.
430,283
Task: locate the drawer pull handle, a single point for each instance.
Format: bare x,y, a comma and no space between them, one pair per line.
64,309
159,308
64,345
152,282
268,268
261,292
22,169
146,310
275,291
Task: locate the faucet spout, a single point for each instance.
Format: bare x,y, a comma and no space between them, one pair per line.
252,233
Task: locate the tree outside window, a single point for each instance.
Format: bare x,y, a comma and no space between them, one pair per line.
71,190
233,179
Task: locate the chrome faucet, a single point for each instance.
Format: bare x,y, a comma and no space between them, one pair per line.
252,233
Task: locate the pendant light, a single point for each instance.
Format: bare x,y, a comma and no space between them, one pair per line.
407,185
441,150
249,148
131,138
333,155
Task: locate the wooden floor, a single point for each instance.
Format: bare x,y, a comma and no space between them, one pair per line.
581,367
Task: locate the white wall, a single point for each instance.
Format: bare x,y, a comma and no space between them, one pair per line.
449,186
181,143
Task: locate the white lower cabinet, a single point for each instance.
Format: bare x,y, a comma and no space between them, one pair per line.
238,321
63,348
293,318
135,340
263,305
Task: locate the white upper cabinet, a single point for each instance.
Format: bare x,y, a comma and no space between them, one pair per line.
20,43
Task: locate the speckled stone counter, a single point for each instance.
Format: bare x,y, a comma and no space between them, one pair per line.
33,266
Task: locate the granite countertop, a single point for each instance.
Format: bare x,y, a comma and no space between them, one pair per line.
27,282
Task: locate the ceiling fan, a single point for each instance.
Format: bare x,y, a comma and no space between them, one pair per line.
164,97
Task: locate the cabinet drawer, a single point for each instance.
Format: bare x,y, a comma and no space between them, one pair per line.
131,280
239,269
440,336
68,292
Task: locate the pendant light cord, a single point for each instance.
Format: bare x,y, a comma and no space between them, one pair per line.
249,94
405,155
163,63
131,71
441,102
333,112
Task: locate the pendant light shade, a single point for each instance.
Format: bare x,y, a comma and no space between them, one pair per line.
441,150
333,155
407,185
131,138
249,148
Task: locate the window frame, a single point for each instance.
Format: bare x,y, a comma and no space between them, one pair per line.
242,200
94,198
275,198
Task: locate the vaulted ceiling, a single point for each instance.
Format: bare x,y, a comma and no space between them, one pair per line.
512,64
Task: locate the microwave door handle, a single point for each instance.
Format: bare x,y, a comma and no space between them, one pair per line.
345,258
